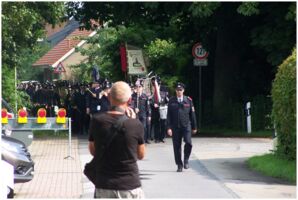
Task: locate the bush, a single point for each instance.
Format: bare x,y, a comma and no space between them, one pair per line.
260,110
284,107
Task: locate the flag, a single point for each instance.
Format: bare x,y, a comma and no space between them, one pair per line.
123,58
156,93
95,73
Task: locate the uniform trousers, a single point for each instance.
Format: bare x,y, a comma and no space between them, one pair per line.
144,122
178,134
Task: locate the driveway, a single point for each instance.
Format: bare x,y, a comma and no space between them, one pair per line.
218,170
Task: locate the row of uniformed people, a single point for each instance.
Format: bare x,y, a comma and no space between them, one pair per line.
76,98
180,121
148,112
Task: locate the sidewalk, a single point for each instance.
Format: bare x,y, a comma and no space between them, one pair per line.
54,176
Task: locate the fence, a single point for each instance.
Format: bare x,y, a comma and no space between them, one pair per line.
32,124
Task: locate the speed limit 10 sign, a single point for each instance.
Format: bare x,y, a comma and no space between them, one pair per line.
199,52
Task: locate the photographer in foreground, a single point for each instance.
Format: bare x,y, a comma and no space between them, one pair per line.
117,173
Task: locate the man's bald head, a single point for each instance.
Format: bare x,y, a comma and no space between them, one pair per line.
120,92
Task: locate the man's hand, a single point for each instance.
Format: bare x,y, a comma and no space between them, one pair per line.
92,148
130,113
137,110
170,133
88,111
194,131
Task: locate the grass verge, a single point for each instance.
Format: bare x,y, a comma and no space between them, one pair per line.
274,166
50,133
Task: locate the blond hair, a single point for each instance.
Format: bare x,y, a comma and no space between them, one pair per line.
120,92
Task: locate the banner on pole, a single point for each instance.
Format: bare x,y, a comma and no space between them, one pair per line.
136,63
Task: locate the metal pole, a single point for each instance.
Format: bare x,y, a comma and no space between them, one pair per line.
15,85
69,136
69,139
200,97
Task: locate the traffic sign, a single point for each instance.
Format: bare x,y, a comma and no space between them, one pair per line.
198,62
59,69
199,52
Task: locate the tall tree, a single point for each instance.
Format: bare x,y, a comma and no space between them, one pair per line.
23,23
246,40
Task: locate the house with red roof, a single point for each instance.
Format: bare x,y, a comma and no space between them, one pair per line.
62,56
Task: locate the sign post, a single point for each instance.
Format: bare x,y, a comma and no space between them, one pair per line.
200,59
248,117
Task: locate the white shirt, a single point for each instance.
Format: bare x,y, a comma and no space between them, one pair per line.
180,99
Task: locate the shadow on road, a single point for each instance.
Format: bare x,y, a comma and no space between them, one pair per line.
232,170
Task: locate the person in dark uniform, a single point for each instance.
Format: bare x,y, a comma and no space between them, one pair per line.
93,99
181,119
104,100
80,109
141,105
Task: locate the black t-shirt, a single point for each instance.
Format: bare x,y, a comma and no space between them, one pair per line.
118,170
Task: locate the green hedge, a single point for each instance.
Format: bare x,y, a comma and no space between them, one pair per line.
261,107
284,107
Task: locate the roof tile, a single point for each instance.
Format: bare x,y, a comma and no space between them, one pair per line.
62,48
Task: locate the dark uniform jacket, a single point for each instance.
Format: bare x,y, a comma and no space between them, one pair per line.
92,102
104,104
80,101
181,115
143,104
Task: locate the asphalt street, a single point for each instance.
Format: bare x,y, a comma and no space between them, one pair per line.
217,170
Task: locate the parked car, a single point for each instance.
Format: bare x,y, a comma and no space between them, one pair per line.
6,174
25,136
16,153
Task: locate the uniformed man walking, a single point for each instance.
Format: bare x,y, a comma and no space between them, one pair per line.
181,121
141,105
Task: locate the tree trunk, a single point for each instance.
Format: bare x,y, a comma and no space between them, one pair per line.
226,63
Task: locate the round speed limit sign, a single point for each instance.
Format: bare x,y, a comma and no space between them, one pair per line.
199,52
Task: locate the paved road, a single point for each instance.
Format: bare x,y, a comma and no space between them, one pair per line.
217,170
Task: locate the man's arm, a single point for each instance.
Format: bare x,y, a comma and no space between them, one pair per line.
168,120
141,151
192,115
